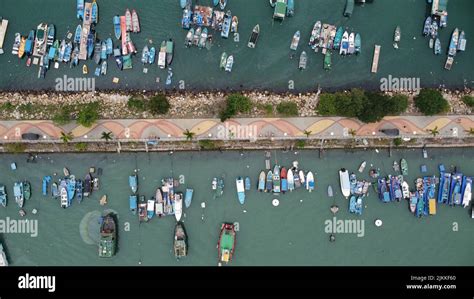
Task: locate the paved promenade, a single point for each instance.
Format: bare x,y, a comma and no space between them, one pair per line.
244,128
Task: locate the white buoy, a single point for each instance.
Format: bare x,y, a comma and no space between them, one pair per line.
34,211
245,211
378,222
275,202
203,205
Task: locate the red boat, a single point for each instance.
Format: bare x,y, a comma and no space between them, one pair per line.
226,243
284,180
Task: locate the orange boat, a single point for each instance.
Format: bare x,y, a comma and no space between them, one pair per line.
21,49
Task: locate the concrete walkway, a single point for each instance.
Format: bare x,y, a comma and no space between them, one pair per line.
244,128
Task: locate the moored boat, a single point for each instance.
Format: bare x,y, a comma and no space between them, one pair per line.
222,4
189,38
63,194
467,192
133,183
276,179
303,61
362,166
226,243
453,45
30,43
80,9
437,46
159,203
405,190
128,20
150,208
51,35
315,35
203,38
239,183
133,204
291,181
330,191
223,60
310,181
404,166
284,180
142,212
261,181
444,187
3,257
413,202
327,61
344,181
178,206
462,41
54,190
95,12
427,26
77,34
295,41
188,197
226,24
338,38
358,43
197,36
248,184
344,44
3,196
152,55
351,48
135,22
229,64
18,194
455,191
162,55
180,244
26,190
21,49
117,30
145,54
269,182
254,37
71,188
46,180
108,236
290,8
169,51
79,190
397,35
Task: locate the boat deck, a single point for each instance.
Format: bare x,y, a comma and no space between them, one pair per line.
3,32
375,62
86,27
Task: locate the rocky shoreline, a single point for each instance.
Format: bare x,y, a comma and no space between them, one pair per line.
36,105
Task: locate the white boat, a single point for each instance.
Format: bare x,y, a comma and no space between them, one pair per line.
466,201
351,49
301,176
295,41
229,64
239,183
214,184
310,181
150,208
178,206
345,183
344,44
291,180
16,44
405,190
64,199
362,166
159,210
3,257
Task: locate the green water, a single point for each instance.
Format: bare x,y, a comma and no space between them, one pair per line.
291,234
266,67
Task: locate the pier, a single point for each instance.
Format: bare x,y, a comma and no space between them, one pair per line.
375,62
3,32
86,27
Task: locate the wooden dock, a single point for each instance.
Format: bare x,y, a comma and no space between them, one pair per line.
86,27
3,32
375,62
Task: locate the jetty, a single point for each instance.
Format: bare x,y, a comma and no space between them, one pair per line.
86,27
375,62
3,32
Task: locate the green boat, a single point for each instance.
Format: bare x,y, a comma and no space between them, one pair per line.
26,190
108,236
358,43
338,38
226,243
327,61
223,60
404,166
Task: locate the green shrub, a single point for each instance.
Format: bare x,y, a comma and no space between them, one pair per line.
300,144
397,104
398,141
469,101
63,116
26,108
137,103
374,108
287,108
88,114
268,108
236,103
7,106
207,144
327,104
158,104
431,102
81,146
15,147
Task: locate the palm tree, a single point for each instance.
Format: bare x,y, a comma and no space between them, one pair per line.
67,137
107,136
189,135
307,133
434,131
352,132
470,131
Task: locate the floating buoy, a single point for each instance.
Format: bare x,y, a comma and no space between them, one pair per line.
378,222
203,205
332,238
334,209
34,211
275,202
219,264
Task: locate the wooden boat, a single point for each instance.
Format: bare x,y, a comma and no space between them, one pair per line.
180,244
261,181
108,237
226,243
302,177
159,203
128,20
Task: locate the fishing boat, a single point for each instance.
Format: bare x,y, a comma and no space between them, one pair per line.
453,45
427,26
67,52
344,181
352,204
327,61
178,206
261,181
103,68
142,209
462,41
455,191
397,35
95,184
188,42
77,34
46,180
169,51
150,208
30,43
94,12
437,47
276,179
220,187
295,41
63,194
343,50
290,8
226,243
227,22
362,166
284,180
413,202
310,181
71,188
303,61
358,43
87,185
79,190
186,19
290,179
97,52
103,50
235,24
269,182
133,204
222,4
18,194
466,194
223,60
229,64
117,30
21,49
180,244
420,205
133,183
383,190
351,48
90,45
3,257
135,22
444,187
109,46
145,54
26,190
162,55
248,184
330,191
434,29
203,38
188,197
405,190
353,183
159,203
404,166
41,37
128,20
3,196
152,55
239,183
315,35
395,188
296,177
51,35
108,236
302,177
80,9
54,190
197,36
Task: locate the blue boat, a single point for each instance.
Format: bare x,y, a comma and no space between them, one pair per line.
215,2
429,185
95,12
103,51
46,181
18,193
455,193
54,191
186,20
226,24
77,35
68,52
239,182
30,43
3,196
247,184
188,197
117,29
395,189
222,4
90,45
110,46
384,194
444,187
269,182
80,9
355,205
151,55
261,181
284,180
51,53
359,205
184,3
353,183
133,203
133,183
290,8
71,189
420,205
79,190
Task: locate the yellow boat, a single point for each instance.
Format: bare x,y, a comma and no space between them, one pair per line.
84,69
21,49
432,206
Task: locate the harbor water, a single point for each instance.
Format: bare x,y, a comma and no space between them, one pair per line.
268,66
293,233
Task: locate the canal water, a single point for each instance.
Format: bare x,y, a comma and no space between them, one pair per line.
293,233
266,67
